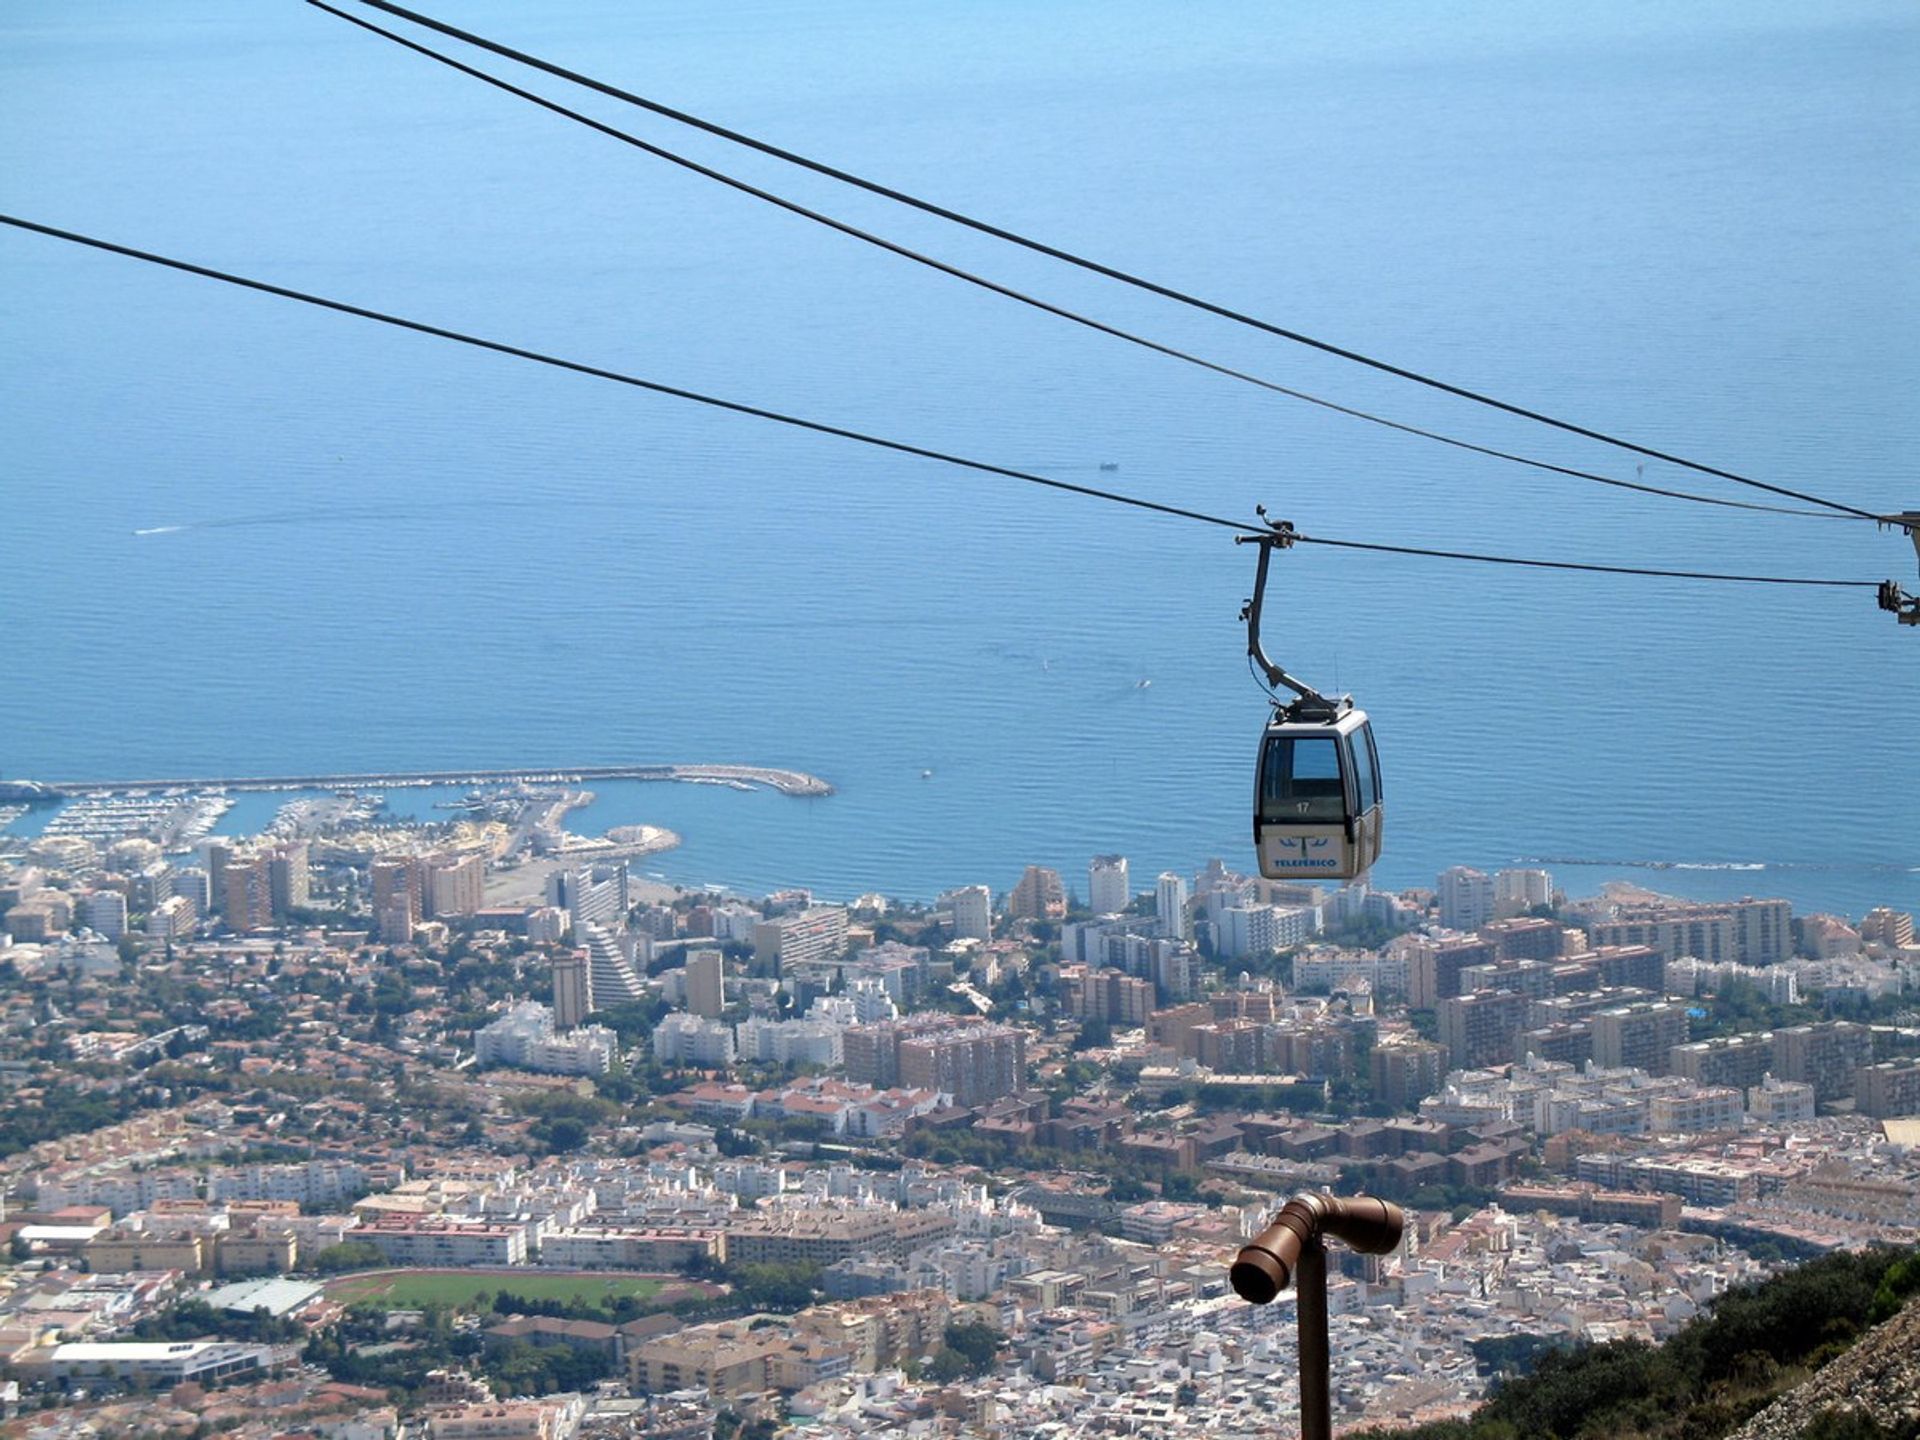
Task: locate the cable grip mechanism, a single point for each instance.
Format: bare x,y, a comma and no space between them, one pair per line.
1904,607
1311,704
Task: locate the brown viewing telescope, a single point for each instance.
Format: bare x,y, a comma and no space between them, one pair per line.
1290,1250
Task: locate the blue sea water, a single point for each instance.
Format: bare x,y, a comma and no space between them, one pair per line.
237,536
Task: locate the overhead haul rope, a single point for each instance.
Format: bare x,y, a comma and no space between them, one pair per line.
902,447
1047,307
1096,267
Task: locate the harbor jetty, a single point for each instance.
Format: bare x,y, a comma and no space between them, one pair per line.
744,777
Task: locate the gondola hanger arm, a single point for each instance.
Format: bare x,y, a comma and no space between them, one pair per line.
1904,607
1311,704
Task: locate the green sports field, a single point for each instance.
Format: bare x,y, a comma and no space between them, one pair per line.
412,1289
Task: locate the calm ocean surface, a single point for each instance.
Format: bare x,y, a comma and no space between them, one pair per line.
368,550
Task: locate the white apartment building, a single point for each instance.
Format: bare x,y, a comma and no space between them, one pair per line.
816,933
683,1039
1710,1108
1779,1102
1258,929
1466,898
123,1191
614,978
789,1042
174,918
1109,891
547,924
105,913
1515,892
1170,905
525,1038
972,907
735,922
442,1242
315,1182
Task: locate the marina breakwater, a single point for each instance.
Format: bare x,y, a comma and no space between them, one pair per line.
787,782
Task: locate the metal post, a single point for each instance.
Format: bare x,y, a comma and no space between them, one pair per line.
1290,1251
1310,1290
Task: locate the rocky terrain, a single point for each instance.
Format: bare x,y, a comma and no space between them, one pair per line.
1877,1380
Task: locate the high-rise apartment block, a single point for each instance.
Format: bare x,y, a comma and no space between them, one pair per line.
972,907
1108,995
1170,905
1434,966
1246,930
1526,938
1889,1089
1038,896
597,895
1889,927
1482,1028
706,983
214,855
1741,1061
547,925
1108,889
456,884
1638,1037
1752,932
1516,892
174,918
1406,1073
397,893
974,1064
289,877
1466,898
572,989
246,900
872,1052
1824,1056
191,882
614,977
1564,1043
809,936
105,913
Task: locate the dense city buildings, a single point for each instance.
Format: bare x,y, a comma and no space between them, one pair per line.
834,1150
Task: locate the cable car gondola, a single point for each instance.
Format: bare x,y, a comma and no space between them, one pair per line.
1317,812
1316,804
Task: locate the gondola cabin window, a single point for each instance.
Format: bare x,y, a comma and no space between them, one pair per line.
1300,779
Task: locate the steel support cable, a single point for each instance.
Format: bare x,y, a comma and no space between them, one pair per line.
821,427
1045,306
1096,267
